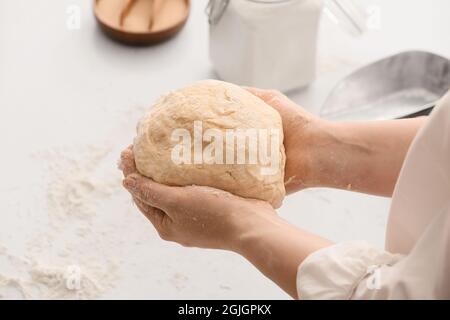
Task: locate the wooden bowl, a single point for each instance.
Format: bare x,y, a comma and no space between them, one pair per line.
141,22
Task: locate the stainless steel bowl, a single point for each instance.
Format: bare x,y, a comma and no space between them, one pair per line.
403,85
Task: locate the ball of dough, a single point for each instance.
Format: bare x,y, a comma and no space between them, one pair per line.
221,107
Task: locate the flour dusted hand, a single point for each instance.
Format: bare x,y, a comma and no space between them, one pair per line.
214,134
193,216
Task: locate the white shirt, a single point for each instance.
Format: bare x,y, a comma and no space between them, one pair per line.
416,262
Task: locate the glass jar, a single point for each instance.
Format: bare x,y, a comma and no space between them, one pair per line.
265,43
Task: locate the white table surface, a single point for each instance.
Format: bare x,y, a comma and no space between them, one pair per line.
69,89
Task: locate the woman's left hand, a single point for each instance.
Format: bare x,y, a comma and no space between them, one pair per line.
194,216
209,218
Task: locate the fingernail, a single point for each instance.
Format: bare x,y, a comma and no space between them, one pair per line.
130,183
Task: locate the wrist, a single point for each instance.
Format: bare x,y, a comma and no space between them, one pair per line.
253,229
277,248
310,154
334,156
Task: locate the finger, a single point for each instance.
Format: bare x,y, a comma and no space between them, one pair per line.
263,94
154,194
128,165
255,91
273,98
145,208
154,215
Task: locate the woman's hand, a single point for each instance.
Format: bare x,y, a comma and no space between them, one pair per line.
193,216
302,132
359,156
210,218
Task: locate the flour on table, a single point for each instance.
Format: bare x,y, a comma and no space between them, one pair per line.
70,282
77,182
73,236
12,284
53,282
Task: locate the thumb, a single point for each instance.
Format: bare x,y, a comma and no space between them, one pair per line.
263,93
260,93
152,193
273,98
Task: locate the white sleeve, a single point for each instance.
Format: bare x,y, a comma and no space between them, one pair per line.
335,272
356,270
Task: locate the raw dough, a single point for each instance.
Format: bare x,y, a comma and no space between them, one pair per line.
221,106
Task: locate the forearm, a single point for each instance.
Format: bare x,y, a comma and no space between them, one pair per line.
361,156
277,249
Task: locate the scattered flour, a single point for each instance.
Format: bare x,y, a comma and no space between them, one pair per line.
50,282
76,182
12,284
70,282
68,240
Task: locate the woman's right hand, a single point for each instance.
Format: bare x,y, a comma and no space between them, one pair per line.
359,156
